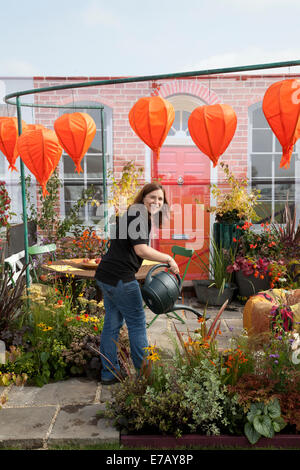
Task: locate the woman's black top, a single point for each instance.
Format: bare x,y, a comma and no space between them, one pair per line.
121,262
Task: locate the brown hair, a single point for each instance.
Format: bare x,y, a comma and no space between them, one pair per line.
148,188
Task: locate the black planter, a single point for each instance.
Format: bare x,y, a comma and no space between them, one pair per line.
211,295
250,285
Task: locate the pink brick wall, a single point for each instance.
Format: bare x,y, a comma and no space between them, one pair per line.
238,91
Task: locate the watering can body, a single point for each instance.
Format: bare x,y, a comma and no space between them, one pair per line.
161,291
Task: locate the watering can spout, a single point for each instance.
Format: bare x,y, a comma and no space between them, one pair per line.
190,309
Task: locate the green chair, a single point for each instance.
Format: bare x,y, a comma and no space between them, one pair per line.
180,251
36,250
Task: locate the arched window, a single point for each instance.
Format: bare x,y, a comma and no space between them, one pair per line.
75,183
183,105
274,182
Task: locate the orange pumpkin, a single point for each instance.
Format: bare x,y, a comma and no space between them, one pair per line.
40,151
151,119
281,108
75,132
212,128
8,139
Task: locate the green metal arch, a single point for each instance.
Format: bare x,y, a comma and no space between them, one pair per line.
113,81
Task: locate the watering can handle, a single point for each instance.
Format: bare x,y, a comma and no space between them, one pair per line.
149,275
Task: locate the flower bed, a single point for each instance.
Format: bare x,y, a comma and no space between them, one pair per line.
52,334
251,389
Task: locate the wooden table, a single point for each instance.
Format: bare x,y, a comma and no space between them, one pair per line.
72,267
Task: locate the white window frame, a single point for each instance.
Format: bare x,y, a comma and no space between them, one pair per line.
84,179
295,156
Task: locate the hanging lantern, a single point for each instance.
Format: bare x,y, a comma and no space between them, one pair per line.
8,139
40,151
75,132
32,127
151,119
212,128
281,107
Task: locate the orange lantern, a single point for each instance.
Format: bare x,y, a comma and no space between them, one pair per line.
8,139
40,151
281,107
75,132
151,119
212,128
32,127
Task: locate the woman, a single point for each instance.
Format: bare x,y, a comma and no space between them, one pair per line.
115,276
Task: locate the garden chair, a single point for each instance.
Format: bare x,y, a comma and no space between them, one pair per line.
36,250
15,264
180,251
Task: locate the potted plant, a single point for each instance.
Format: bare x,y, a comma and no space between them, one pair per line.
218,287
233,207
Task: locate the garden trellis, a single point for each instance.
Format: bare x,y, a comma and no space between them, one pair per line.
9,99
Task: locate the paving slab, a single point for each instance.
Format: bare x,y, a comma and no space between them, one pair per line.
71,391
25,428
79,425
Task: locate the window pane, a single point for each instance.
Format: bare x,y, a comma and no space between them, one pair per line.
284,190
259,119
265,189
279,211
70,169
93,166
176,123
262,140
264,211
261,166
72,193
285,172
185,118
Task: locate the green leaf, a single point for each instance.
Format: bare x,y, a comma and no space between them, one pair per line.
274,409
254,411
44,356
263,425
251,434
278,424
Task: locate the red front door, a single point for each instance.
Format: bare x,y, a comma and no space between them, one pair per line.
185,174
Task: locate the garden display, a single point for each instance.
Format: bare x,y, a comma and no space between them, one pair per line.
250,389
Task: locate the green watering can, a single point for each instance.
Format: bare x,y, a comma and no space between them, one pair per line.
160,292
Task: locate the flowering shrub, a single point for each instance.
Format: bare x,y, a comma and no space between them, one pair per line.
5,201
238,203
250,266
89,244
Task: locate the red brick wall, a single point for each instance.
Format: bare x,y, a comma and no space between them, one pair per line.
240,91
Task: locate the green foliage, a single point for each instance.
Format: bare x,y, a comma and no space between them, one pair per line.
124,190
236,204
263,419
10,296
216,265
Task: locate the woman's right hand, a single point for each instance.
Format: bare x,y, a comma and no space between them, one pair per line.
173,266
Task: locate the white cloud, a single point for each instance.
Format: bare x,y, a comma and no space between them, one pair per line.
249,56
95,15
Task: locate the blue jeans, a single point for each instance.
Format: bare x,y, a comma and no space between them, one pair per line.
122,302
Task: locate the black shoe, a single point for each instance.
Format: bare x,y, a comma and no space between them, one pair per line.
109,381
115,380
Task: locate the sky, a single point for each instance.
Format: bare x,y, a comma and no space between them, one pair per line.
141,37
